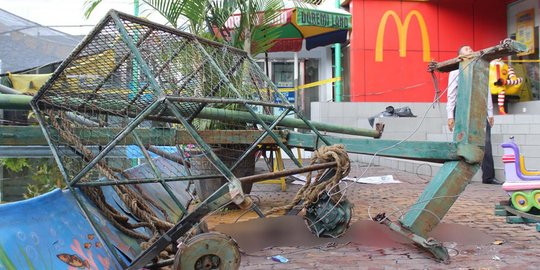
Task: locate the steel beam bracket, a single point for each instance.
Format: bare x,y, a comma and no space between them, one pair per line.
472,154
429,244
437,249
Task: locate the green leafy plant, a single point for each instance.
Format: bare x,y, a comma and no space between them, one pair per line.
255,31
15,164
45,177
44,174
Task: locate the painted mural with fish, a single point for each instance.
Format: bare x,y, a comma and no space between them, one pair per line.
50,232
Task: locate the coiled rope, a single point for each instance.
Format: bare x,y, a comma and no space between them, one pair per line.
311,191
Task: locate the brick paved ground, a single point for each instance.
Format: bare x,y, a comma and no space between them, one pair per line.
472,245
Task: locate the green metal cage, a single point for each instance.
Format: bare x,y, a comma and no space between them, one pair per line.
134,93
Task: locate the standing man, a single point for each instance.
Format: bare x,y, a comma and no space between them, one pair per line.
488,168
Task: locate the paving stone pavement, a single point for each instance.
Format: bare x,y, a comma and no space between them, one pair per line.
473,210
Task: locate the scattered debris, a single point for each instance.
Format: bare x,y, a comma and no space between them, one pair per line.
383,179
279,258
390,111
450,244
496,258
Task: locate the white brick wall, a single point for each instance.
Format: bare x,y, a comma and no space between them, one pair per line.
430,125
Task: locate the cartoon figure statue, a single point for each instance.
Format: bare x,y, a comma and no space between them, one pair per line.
503,81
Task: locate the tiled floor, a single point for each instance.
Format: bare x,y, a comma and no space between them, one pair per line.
476,238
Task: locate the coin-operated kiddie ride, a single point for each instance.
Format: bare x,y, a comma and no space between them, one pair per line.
139,111
522,183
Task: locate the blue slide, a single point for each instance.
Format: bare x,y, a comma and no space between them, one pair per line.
52,232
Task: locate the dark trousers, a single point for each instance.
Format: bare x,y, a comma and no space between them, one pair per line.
488,168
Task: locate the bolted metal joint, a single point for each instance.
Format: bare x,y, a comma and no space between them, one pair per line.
236,192
472,154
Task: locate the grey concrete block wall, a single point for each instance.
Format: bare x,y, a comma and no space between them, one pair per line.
430,125
527,107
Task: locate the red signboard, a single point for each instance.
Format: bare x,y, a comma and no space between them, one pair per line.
393,41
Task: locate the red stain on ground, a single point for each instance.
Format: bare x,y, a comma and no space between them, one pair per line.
291,231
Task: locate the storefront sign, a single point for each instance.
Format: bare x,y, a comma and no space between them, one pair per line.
310,17
402,29
525,30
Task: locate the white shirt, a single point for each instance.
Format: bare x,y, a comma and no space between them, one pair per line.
451,93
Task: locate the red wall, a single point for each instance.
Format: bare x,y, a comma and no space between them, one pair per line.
450,24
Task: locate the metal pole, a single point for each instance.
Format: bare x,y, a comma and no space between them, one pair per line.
295,82
8,90
273,175
135,73
146,180
15,102
337,67
22,102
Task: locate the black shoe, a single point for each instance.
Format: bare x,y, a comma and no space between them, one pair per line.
493,181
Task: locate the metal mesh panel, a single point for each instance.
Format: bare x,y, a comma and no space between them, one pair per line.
103,98
101,79
248,81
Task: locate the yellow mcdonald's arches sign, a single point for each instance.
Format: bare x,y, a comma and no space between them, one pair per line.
402,28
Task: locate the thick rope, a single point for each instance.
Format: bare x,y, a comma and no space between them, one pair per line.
310,192
134,201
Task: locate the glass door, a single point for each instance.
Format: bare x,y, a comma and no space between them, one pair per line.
283,78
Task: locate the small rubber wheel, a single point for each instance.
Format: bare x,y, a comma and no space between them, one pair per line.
207,251
535,195
522,201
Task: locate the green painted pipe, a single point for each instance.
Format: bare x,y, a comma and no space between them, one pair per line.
15,102
22,102
229,115
337,67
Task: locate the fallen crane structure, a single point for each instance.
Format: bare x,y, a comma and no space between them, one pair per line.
149,87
